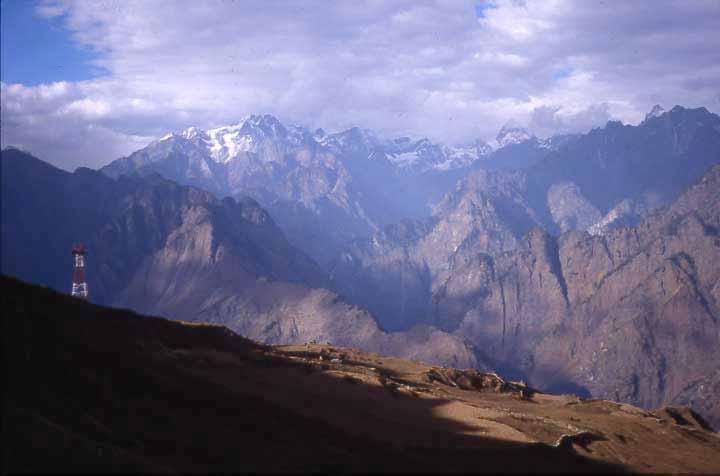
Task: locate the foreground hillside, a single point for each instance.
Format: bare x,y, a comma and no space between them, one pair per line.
98,389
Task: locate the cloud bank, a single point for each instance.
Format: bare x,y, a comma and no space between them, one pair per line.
450,71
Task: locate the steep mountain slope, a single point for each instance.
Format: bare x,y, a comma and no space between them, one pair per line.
161,248
303,185
651,163
93,389
701,395
407,263
631,315
46,210
324,190
644,167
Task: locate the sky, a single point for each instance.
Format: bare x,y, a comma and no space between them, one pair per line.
86,82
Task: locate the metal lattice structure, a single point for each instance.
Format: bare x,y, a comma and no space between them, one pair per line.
79,286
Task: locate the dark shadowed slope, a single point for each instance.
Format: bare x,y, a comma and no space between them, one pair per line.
92,389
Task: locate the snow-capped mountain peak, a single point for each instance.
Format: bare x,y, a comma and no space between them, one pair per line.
193,133
512,133
422,155
264,126
225,143
351,140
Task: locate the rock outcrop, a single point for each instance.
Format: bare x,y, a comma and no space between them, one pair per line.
702,396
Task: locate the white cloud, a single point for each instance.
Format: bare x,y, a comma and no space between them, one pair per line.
87,108
419,68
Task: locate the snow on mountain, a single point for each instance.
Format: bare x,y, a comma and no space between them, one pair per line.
223,144
193,133
353,141
511,133
417,155
464,156
423,155
226,143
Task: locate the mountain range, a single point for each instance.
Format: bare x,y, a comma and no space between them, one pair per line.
579,263
162,248
608,178
323,189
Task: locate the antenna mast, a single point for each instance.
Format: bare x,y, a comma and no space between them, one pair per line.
79,286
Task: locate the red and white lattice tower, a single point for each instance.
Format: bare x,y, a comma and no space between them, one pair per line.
79,286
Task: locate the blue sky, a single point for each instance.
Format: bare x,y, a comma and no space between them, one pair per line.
87,81
40,50
481,7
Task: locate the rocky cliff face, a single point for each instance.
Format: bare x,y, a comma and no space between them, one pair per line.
178,251
607,179
627,213
407,263
701,395
631,315
569,209
651,163
325,190
286,170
